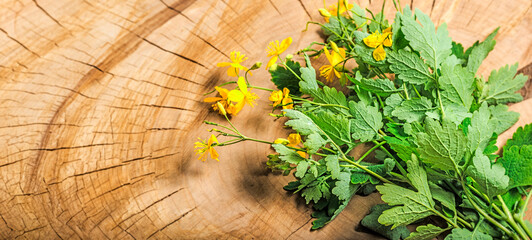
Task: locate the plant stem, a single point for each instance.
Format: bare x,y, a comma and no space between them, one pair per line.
401,169
464,222
261,88
377,145
523,225
485,215
345,159
510,219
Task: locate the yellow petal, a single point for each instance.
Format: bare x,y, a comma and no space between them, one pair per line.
373,40
294,139
271,62
242,85
212,99
232,72
235,96
379,54
223,92
287,103
387,30
284,45
281,141
238,107
223,64
286,91
214,154
327,54
212,140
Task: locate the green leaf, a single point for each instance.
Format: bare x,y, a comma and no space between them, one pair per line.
443,146
392,102
455,113
308,76
410,205
366,123
522,136
502,86
491,179
333,166
381,87
480,51
336,126
426,232
284,78
359,176
457,86
330,126
444,197
312,193
409,67
286,154
501,118
433,46
329,95
371,221
403,148
314,142
518,164
480,130
301,169
343,187
458,50
413,110
464,234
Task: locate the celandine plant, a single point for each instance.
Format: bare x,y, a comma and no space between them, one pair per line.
414,96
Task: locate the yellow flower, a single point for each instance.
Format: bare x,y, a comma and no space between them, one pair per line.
234,65
379,41
293,140
335,58
223,100
333,10
240,97
287,100
275,49
276,97
203,148
249,97
281,97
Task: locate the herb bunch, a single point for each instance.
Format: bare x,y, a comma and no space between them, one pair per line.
415,98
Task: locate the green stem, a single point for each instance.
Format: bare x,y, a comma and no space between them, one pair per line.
441,104
345,159
261,88
399,166
523,208
319,104
370,150
406,91
523,225
464,222
485,215
510,219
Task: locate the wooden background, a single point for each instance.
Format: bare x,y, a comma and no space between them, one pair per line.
101,101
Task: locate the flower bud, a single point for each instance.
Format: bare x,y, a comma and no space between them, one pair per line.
289,57
273,67
334,47
221,108
324,12
256,66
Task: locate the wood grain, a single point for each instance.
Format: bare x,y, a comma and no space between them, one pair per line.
101,102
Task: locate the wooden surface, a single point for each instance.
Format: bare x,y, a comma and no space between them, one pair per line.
101,103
